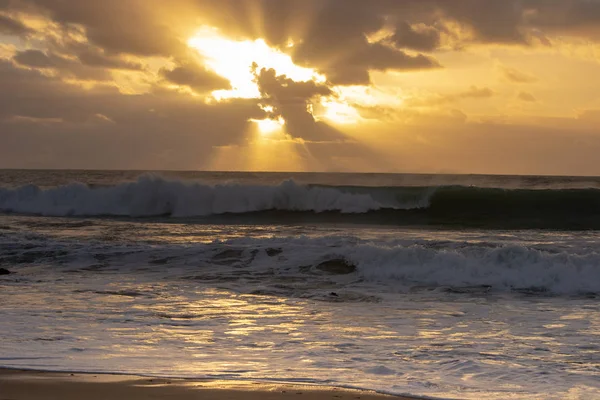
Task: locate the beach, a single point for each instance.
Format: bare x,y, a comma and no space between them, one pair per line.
37,385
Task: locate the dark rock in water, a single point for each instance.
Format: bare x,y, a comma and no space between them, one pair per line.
334,294
4,271
337,267
274,252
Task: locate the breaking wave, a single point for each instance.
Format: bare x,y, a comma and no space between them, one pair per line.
307,266
154,196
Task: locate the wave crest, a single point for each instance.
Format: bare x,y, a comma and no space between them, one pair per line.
155,196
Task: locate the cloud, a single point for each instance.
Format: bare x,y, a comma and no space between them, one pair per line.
291,100
10,26
516,76
526,97
286,91
46,123
337,45
102,128
68,68
196,77
335,42
153,27
419,38
38,59
145,40
95,57
494,22
354,68
473,92
414,117
579,18
132,26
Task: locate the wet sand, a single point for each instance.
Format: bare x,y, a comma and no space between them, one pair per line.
37,385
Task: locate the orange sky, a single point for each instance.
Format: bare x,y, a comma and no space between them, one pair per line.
455,86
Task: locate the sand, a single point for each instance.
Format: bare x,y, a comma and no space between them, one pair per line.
33,385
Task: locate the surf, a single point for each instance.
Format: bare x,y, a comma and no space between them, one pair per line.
291,202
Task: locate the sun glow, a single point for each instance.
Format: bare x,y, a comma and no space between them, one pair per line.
339,112
238,61
269,126
233,60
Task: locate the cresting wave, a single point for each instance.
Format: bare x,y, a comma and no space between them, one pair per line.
289,202
153,196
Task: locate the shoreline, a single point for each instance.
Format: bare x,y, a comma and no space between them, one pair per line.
21,384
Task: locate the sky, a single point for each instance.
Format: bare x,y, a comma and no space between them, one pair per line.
417,86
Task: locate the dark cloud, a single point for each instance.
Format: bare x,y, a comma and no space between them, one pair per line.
322,143
423,38
286,91
526,97
516,76
131,26
353,67
196,77
49,124
331,35
376,57
38,59
574,17
28,93
492,21
102,128
66,67
291,100
338,45
87,62
153,27
10,26
95,57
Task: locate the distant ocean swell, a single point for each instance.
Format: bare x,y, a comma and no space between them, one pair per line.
153,196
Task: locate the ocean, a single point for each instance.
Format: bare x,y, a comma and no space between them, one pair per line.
445,286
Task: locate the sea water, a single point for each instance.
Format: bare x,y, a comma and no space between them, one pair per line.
463,287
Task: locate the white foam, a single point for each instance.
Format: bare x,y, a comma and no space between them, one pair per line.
396,264
504,268
153,196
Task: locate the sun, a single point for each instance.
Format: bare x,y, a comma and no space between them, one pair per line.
269,126
233,60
